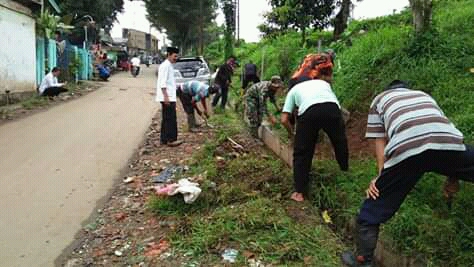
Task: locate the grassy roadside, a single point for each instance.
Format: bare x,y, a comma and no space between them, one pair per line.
380,50
244,205
35,101
423,227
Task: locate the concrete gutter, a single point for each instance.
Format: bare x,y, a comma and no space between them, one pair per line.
383,254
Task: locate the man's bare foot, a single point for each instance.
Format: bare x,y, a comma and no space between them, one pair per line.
298,197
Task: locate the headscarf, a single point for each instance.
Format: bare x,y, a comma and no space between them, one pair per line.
312,65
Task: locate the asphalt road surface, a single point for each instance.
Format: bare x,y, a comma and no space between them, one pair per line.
57,164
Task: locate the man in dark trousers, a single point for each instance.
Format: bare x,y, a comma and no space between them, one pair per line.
250,75
223,80
166,95
412,136
190,93
50,86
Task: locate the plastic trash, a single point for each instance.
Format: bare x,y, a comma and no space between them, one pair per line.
129,179
189,190
327,219
230,255
167,174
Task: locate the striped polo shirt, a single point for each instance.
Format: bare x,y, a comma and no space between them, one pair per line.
412,122
196,89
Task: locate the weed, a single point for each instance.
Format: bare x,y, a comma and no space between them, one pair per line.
35,101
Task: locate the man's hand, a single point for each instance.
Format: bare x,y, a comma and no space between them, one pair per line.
273,120
166,99
373,191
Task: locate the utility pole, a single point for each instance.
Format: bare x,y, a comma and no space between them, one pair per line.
238,19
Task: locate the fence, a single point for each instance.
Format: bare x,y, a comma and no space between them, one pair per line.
75,63
45,57
85,72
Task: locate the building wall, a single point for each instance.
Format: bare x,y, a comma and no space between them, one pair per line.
17,51
136,39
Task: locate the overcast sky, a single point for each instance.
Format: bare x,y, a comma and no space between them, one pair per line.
134,16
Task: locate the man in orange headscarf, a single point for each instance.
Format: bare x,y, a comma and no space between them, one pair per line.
318,108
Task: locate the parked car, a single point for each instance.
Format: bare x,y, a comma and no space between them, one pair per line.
192,68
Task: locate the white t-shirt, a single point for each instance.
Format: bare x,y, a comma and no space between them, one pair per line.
308,93
166,80
49,81
135,62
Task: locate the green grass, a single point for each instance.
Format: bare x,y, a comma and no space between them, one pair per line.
244,206
34,102
437,62
262,227
423,226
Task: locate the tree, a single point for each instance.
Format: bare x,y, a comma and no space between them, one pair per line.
184,21
422,14
340,21
299,14
103,12
228,8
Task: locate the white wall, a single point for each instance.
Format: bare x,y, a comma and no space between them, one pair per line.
17,52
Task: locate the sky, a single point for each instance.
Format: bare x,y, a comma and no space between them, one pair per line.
134,16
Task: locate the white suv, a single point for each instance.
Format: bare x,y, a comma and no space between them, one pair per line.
192,68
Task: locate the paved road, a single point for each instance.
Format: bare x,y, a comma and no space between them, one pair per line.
55,165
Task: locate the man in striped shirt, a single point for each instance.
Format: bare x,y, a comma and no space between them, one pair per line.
190,93
412,136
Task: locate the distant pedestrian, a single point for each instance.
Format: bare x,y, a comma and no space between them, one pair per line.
412,136
166,95
249,75
135,65
190,93
256,100
318,109
104,72
223,80
50,86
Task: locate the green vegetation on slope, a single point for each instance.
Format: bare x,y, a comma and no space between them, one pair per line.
437,62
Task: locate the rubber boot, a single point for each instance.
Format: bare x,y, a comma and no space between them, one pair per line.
192,123
366,243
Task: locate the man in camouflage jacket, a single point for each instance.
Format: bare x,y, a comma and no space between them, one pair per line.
256,99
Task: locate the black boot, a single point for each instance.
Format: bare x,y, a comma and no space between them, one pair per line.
366,243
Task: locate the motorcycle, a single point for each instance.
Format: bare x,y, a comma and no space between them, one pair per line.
134,70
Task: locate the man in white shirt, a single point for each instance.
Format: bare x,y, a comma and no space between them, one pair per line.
166,95
135,65
50,85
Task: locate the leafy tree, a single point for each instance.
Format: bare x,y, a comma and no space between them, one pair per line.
185,21
298,14
340,21
228,9
103,12
422,12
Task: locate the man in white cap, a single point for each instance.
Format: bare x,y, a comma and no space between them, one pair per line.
166,95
